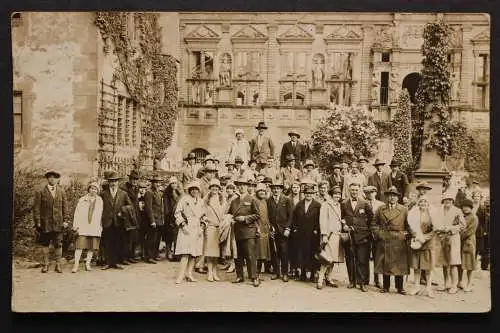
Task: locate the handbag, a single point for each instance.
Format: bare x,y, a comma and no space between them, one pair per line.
323,256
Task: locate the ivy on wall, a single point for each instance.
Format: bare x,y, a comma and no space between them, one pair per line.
149,76
402,139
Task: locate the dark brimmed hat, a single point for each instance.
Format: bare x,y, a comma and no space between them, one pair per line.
238,160
467,203
241,181
392,190
378,162
369,189
113,175
228,163
156,179
424,185
52,173
277,184
337,166
209,158
294,133
290,157
210,168
267,180
134,174
308,162
251,161
335,190
262,125
362,158
309,189
190,156
395,163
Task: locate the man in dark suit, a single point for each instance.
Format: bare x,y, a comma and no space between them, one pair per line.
280,210
336,179
50,214
131,236
380,179
358,215
261,147
400,180
114,199
246,216
305,224
295,148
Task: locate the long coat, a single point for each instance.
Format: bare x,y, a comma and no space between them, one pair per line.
381,183
330,226
392,250
299,151
262,153
360,218
281,213
112,208
154,199
245,206
170,199
50,212
305,225
263,247
81,217
288,176
483,227
190,238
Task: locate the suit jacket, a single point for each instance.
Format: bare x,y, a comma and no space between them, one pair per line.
111,213
336,181
132,193
280,214
361,218
289,176
306,222
154,209
50,212
483,221
245,206
381,183
299,152
261,154
189,173
401,182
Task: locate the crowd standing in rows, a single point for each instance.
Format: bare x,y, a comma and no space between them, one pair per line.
291,221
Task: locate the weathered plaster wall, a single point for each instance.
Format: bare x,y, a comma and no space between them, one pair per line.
55,67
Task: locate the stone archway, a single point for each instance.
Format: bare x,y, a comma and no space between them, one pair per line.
411,82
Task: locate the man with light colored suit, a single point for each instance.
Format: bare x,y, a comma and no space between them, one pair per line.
261,147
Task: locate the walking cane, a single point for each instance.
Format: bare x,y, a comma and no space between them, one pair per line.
275,248
351,245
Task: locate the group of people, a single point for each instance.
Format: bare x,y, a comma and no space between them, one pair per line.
291,221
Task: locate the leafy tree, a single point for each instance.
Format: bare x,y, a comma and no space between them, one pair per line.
402,136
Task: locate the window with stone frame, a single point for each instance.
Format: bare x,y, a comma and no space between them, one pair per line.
128,122
293,83
248,77
481,81
202,77
18,118
339,78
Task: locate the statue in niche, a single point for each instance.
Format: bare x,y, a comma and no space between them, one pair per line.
347,94
375,87
318,74
225,71
334,95
455,86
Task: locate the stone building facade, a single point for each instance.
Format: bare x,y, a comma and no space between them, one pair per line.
287,69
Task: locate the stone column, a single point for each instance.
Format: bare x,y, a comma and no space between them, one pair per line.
272,87
467,68
365,79
356,76
183,65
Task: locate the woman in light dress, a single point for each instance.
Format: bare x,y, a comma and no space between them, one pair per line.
87,223
226,235
215,205
190,216
330,227
421,219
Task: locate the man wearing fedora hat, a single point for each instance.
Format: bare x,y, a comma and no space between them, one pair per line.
270,169
158,212
391,230
50,214
380,179
371,193
280,210
190,170
210,161
289,173
336,179
239,147
362,161
310,172
293,147
113,230
245,212
261,147
131,239
400,180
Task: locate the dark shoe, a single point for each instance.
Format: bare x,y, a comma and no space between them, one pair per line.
402,292
377,284
125,262
350,285
158,258
149,261
45,268
106,267
275,277
118,267
331,284
285,278
383,290
363,288
239,280
434,284
302,278
133,261
58,269
256,282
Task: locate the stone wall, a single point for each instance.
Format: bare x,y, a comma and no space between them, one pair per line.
55,68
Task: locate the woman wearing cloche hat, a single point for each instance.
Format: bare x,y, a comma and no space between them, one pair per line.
239,147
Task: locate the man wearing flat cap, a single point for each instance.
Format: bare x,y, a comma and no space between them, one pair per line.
295,148
391,230
261,147
50,214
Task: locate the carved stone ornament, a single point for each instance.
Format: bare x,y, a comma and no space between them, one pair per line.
202,32
318,73
248,32
384,37
296,33
345,33
483,36
412,36
455,38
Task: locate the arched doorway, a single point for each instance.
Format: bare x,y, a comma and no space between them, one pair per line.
200,154
411,82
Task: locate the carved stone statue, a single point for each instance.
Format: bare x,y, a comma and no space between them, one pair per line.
225,71
375,86
318,75
334,95
455,87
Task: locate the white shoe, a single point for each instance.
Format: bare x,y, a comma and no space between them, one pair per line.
414,291
87,267
74,270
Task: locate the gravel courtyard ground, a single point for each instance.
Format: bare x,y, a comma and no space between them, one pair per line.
143,287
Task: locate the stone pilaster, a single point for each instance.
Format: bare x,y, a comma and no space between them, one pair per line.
467,75
183,71
272,63
365,98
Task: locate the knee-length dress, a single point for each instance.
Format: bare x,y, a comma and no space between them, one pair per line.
468,242
190,237
421,226
215,215
448,245
263,245
330,225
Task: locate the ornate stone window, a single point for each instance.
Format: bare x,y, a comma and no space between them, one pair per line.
339,79
18,118
481,81
128,122
293,83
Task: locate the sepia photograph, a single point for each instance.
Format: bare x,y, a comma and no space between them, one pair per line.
251,162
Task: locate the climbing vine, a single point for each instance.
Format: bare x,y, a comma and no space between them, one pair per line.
402,140
148,75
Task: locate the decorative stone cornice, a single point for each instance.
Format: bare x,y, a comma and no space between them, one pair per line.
249,34
296,34
319,29
202,34
344,34
482,37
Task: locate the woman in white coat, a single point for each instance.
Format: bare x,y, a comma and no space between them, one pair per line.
190,217
215,204
87,223
330,227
